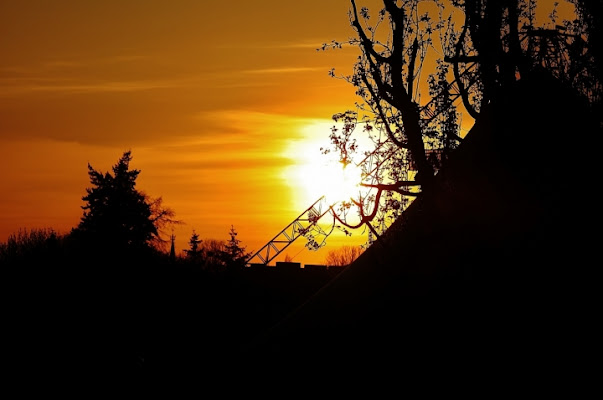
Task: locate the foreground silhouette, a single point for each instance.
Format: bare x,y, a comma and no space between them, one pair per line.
491,266
472,273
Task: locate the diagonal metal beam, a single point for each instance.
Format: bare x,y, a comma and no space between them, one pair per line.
298,227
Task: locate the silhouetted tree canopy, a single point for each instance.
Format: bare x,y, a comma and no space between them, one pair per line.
343,256
234,253
194,252
117,217
212,251
474,50
31,247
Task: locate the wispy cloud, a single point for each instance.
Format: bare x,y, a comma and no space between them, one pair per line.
70,63
284,70
104,61
223,163
72,76
56,64
58,85
306,44
124,86
237,125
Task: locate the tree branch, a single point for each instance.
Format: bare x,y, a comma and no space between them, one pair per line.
383,117
394,187
464,92
411,67
366,42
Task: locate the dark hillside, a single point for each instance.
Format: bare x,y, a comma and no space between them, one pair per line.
495,263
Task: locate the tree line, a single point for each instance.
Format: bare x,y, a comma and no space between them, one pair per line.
119,221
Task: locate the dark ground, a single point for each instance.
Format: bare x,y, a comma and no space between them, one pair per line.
493,269
491,276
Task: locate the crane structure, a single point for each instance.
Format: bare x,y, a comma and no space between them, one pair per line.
300,226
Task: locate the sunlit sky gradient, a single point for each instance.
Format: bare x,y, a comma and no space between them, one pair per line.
224,105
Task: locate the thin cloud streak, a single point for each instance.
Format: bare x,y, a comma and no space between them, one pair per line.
305,45
286,70
24,85
71,64
116,86
242,129
244,163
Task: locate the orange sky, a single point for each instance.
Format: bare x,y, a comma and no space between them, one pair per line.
224,104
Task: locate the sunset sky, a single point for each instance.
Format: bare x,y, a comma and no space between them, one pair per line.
224,105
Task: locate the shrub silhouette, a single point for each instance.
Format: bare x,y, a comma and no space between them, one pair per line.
30,247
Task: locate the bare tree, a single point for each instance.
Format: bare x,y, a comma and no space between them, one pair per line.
343,256
211,252
413,118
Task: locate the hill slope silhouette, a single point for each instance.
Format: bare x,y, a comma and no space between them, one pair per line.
494,263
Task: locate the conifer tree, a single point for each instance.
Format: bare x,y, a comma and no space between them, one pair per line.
234,254
195,252
117,217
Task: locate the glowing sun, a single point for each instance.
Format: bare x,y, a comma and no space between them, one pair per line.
328,179
315,174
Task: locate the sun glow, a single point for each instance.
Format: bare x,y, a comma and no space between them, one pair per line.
315,174
329,179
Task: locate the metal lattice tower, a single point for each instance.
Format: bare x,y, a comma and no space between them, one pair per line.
300,226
